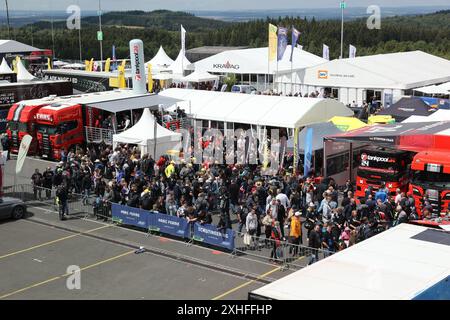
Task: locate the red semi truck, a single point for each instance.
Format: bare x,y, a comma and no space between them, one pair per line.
381,165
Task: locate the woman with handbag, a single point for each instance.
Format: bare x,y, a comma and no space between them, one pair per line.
251,224
267,222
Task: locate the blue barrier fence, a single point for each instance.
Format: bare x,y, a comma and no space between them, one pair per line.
179,227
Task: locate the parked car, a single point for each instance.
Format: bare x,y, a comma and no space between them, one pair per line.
241,88
12,208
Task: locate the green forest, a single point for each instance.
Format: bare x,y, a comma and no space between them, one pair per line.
429,33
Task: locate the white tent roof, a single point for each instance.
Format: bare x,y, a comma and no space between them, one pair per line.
180,63
143,131
160,60
402,70
199,76
439,115
12,46
4,68
254,61
23,74
395,264
73,66
278,111
443,88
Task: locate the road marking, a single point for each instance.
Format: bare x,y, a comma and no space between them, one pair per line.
52,242
64,275
251,281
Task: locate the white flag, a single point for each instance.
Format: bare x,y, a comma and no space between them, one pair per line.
183,39
326,52
352,52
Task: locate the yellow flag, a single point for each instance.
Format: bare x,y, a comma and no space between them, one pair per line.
107,64
122,83
87,63
150,78
162,83
14,65
273,42
91,65
49,65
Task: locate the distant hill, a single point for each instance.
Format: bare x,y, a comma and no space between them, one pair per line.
158,19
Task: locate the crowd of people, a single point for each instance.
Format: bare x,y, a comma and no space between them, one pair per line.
310,211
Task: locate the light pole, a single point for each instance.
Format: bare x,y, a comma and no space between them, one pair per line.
101,34
342,5
7,19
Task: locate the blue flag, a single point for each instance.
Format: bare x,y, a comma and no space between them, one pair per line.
114,66
282,42
308,151
295,36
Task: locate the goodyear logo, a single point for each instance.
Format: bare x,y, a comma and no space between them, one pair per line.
323,74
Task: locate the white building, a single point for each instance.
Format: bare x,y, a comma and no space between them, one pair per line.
252,67
387,77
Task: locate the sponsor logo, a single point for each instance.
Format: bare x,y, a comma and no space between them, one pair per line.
322,74
138,75
44,117
227,65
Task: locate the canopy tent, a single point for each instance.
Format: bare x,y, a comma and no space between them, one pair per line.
166,76
12,46
199,76
254,61
143,134
347,123
22,73
402,70
406,107
73,66
405,136
320,131
4,68
160,61
180,64
443,89
59,63
439,115
276,111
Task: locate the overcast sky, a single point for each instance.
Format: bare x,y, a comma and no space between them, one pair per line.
108,5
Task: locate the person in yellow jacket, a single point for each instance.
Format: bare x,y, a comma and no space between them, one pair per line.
170,169
295,233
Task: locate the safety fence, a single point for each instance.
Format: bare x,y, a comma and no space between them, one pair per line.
283,252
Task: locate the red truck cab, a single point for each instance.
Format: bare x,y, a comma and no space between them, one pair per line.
59,127
21,121
431,176
381,165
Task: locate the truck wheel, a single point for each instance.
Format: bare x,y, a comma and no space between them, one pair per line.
18,212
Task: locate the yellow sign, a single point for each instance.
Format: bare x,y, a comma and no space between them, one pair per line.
87,63
273,42
150,78
91,65
107,64
49,65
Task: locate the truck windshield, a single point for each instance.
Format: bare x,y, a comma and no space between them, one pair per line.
431,177
42,128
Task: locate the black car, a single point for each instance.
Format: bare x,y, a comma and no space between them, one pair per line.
12,208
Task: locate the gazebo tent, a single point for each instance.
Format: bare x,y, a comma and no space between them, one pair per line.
180,64
143,134
161,60
439,115
406,107
4,68
199,76
23,74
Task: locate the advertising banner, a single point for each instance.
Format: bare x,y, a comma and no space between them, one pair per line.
211,235
168,224
129,216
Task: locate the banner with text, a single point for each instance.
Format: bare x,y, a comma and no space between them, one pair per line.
210,234
168,224
129,215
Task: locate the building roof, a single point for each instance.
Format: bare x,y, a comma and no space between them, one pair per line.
401,70
254,61
399,263
12,46
276,111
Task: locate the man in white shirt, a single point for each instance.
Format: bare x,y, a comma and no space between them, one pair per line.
273,207
283,199
398,196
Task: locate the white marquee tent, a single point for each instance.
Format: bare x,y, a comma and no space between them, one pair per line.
180,64
160,61
255,61
391,74
277,111
143,134
199,76
4,68
439,115
442,89
23,74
